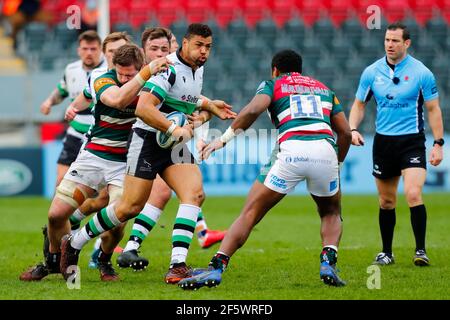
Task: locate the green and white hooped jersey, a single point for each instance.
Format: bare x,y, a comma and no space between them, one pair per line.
71,85
89,91
178,88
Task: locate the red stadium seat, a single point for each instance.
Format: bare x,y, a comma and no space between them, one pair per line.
118,11
283,11
169,11
311,10
226,11
423,10
339,10
395,10
255,11
197,10
444,9
141,11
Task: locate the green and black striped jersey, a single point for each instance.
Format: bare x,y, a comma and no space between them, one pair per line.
109,134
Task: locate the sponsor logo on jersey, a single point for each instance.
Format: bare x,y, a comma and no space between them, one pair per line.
379,80
100,83
189,99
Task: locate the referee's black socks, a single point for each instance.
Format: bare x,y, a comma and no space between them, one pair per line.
419,225
387,225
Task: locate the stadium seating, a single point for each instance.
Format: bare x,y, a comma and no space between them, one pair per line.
63,36
331,35
267,30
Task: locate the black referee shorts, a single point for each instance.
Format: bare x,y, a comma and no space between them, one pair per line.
71,148
392,154
146,158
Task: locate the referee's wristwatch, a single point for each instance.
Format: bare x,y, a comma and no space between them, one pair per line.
439,142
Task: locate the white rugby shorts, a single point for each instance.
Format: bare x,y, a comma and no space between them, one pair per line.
312,160
95,172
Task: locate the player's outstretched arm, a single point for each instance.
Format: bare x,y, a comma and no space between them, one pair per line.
54,98
146,110
219,108
120,98
80,103
355,118
437,128
243,121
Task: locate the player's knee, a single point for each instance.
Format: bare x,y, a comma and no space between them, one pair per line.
69,192
159,199
387,202
329,209
195,197
198,197
56,218
165,195
413,196
128,210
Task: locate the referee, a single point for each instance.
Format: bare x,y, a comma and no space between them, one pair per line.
401,86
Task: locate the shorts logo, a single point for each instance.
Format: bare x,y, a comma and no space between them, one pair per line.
75,173
333,185
288,160
414,160
146,167
278,182
376,169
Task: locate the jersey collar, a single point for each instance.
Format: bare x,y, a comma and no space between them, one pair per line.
181,59
398,65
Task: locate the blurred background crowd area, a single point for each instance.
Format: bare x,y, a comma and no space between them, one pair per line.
332,36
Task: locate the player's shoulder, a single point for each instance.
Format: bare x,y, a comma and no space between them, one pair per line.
177,63
106,79
97,72
76,65
418,66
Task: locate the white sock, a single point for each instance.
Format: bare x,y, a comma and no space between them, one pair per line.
181,238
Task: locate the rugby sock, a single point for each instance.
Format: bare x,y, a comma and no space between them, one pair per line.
52,261
103,221
419,225
387,224
183,231
220,261
75,219
201,227
329,254
104,257
97,243
143,224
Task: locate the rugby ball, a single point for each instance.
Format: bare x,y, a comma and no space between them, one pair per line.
165,141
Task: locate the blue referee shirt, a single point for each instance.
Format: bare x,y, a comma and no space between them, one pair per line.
399,106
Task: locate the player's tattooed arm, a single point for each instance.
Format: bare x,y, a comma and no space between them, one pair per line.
54,98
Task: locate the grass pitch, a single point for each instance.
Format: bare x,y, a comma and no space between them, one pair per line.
279,261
